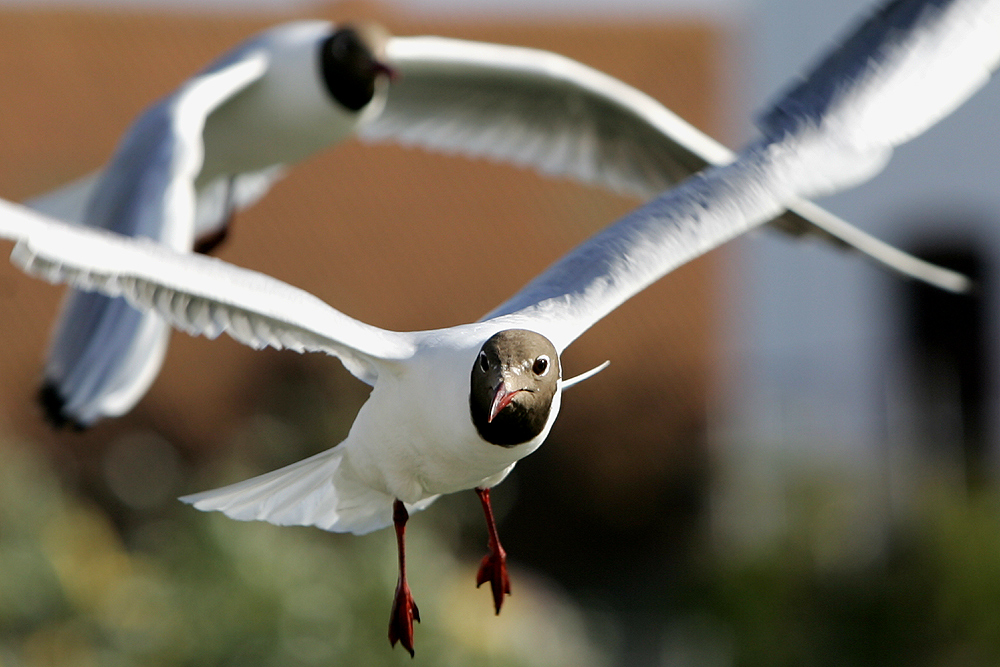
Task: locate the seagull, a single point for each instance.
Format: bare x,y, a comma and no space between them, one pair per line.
456,408
217,144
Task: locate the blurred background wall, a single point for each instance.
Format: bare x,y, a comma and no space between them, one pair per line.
834,359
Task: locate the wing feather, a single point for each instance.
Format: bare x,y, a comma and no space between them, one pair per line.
815,140
533,107
900,71
198,294
536,108
104,355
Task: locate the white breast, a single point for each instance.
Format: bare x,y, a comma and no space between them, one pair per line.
425,443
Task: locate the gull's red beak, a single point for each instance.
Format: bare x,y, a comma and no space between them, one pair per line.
501,399
387,70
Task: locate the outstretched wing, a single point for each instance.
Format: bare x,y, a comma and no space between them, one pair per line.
536,108
539,109
901,71
104,354
198,294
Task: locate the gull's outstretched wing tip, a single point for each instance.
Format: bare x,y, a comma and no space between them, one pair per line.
900,70
884,254
769,175
664,148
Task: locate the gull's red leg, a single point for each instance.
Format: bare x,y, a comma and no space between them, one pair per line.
494,566
206,244
404,609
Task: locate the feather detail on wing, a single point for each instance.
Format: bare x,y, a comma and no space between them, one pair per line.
815,140
104,354
904,68
540,109
198,294
103,359
536,108
609,268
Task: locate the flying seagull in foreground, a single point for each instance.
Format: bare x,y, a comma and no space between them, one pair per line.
456,408
219,142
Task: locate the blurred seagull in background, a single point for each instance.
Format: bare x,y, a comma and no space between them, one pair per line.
218,143
456,408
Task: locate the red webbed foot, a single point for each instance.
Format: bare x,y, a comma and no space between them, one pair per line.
404,613
494,566
494,570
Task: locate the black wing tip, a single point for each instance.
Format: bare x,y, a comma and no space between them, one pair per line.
52,402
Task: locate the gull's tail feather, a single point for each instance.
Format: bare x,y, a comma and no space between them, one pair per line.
311,492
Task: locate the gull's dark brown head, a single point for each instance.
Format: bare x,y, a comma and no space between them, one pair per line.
350,63
514,380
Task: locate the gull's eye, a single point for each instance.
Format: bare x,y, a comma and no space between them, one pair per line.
484,361
541,365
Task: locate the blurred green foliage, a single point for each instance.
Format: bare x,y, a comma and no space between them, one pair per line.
126,575
174,586
925,592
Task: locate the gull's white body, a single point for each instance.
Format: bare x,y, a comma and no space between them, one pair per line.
393,450
199,154
413,439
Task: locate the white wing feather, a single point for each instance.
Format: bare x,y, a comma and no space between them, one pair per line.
815,141
198,294
536,108
539,109
901,70
105,354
